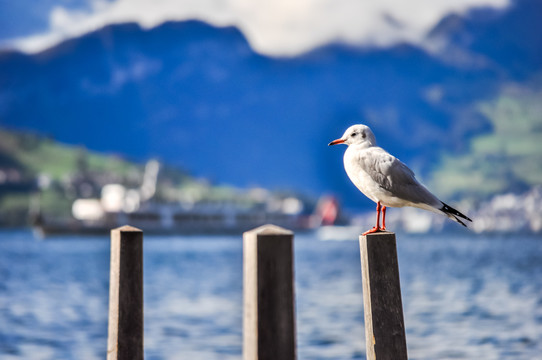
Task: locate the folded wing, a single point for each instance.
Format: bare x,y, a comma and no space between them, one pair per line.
396,178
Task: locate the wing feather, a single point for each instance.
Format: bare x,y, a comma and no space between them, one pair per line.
395,177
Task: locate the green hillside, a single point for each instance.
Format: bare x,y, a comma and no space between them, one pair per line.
35,170
507,159
29,161
36,154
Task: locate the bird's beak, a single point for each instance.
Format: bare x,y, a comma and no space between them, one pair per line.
335,142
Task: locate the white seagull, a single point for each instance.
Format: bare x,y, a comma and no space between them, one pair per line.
384,179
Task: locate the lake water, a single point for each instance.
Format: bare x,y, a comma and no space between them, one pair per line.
464,297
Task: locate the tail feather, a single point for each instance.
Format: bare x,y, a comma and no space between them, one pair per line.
454,214
455,218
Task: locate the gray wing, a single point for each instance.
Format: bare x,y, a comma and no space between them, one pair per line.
395,177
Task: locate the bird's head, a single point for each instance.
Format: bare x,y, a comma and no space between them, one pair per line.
357,135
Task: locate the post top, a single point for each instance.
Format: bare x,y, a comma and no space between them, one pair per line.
378,234
127,228
269,229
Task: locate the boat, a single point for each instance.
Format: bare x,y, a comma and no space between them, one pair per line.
118,206
176,219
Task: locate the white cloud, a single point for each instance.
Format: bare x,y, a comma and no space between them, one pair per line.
279,27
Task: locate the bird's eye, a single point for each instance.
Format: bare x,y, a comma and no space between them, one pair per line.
354,134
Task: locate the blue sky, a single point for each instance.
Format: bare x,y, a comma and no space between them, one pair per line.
279,27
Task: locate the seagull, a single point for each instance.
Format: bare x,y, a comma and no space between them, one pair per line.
385,179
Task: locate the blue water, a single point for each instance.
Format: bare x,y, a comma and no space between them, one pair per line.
463,298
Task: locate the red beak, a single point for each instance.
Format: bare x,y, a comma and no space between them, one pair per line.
335,142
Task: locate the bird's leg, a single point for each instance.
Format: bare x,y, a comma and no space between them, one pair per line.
383,218
377,227
377,215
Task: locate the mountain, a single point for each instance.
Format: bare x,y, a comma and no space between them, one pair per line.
199,97
509,40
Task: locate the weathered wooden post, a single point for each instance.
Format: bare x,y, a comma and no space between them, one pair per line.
268,287
125,340
384,324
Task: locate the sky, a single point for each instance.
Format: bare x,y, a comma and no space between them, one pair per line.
278,27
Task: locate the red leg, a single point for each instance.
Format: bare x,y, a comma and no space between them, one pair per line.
383,218
377,227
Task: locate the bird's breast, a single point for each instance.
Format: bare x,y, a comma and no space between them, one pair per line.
359,176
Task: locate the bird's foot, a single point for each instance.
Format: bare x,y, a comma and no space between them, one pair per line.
374,230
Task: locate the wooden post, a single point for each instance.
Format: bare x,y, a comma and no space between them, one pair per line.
268,287
384,324
125,341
